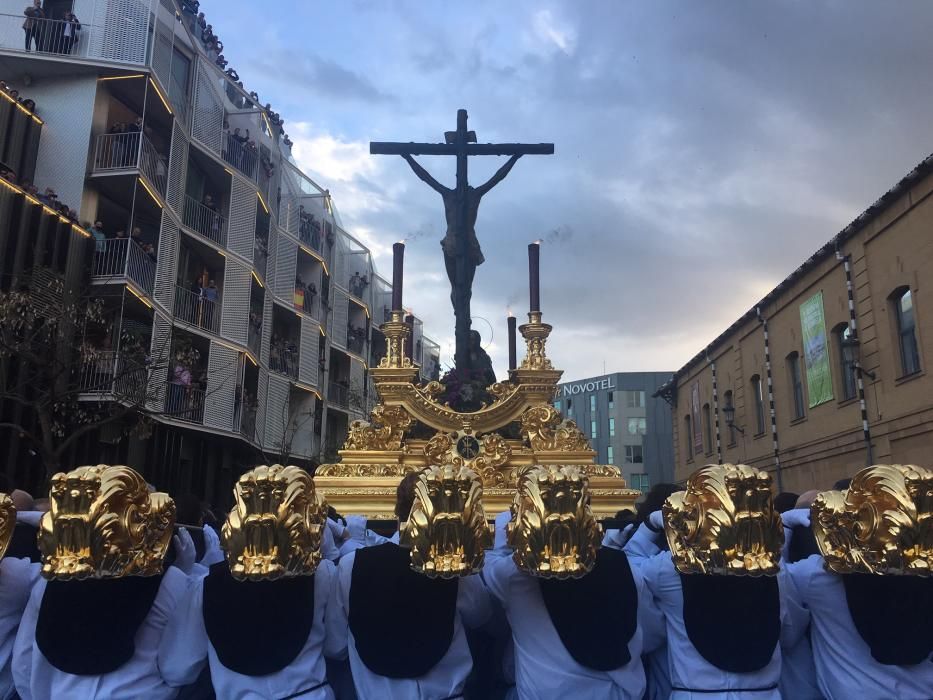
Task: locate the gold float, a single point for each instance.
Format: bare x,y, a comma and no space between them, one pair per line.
379,452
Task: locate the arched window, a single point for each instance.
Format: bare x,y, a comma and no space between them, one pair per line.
841,334
796,384
759,405
707,429
906,330
688,436
729,410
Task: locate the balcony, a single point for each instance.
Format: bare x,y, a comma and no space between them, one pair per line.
112,374
240,156
196,310
124,258
130,151
284,361
124,43
248,423
205,221
184,402
338,394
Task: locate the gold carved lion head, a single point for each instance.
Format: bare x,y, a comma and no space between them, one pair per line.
882,524
104,523
553,532
275,528
447,528
7,522
725,523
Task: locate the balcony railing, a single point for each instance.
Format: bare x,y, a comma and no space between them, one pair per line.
240,156
304,301
184,402
284,361
356,342
45,36
123,257
130,150
110,373
338,394
204,220
253,338
248,423
196,310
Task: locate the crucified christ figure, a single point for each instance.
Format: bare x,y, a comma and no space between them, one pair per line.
461,290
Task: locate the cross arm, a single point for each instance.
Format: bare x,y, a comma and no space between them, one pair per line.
392,148
510,149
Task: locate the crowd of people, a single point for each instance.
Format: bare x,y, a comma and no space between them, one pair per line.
283,355
309,228
663,602
358,284
48,197
14,94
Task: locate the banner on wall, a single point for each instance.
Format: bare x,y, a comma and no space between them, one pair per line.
695,411
816,350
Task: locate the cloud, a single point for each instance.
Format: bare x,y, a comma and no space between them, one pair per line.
550,30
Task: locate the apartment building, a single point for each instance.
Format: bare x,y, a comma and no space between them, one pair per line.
259,312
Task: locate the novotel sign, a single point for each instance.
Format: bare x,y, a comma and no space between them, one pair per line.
587,387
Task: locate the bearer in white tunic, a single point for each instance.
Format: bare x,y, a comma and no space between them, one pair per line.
580,616
257,618
725,618
870,594
93,624
17,577
399,611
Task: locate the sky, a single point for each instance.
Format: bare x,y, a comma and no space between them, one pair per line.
703,149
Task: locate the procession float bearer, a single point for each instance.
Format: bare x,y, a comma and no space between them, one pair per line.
580,615
257,618
401,606
94,620
724,599
869,592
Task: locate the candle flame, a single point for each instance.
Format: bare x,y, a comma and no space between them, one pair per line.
510,313
538,242
402,241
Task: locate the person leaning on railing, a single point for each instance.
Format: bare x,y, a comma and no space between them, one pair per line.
34,15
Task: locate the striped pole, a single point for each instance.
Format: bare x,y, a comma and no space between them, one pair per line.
716,411
853,333
774,433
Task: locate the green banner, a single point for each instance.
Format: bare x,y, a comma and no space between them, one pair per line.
816,350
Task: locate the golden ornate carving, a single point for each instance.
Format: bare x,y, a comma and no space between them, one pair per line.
492,452
500,390
535,334
446,529
438,449
342,469
275,528
725,523
7,522
397,335
104,523
432,389
546,432
882,524
384,432
553,532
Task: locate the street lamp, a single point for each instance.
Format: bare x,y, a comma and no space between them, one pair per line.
729,412
850,352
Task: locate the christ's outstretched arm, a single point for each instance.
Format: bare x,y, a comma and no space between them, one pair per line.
425,175
499,176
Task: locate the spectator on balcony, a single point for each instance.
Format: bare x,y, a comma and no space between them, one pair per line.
49,197
121,234
137,236
150,251
33,24
209,294
70,28
97,231
180,386
136,126
117,146
30,105
356,285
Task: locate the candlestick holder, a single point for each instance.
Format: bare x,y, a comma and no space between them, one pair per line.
398,334
535,333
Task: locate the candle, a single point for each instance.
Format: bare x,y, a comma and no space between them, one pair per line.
513,357
398,258
534,282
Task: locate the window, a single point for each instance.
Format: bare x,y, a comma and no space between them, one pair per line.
557,406
636,426
593,404
707,430
907,332
759,405
569,407
609,455
635,399
688,436
640,482
612,427
611,401
593,429
727,403
796,384
846,368
633,454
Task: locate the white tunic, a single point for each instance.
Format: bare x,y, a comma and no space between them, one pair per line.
445,680
543,666
17,577
139,677
186,647
845,667
688,668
